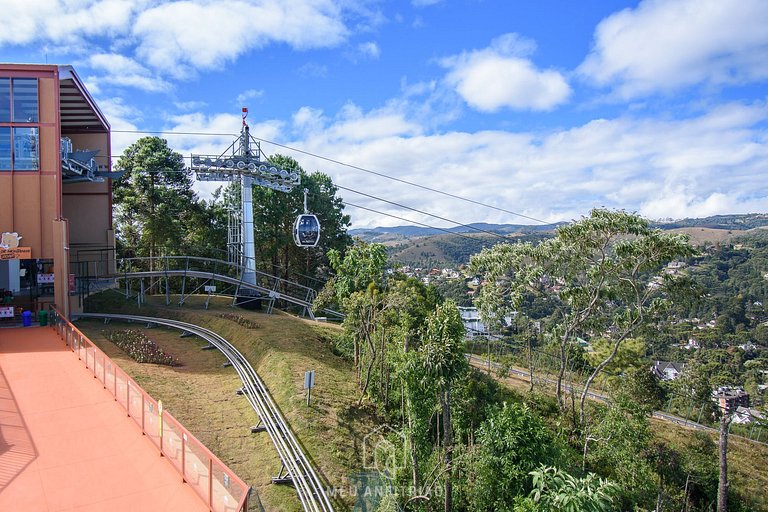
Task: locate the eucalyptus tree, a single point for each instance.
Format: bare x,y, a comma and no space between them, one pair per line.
356,289
722,452
442,353
603,273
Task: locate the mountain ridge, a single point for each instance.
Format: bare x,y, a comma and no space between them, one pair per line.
740,222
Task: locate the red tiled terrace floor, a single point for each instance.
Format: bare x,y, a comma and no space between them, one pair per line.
65,444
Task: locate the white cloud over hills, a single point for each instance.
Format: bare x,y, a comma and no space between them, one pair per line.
663,45
639,121
706,164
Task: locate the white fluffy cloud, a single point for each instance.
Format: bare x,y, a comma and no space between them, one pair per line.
500,76
125,72
247,95
174,38
712,163
63,21
370,50
199,34
669,44
709,164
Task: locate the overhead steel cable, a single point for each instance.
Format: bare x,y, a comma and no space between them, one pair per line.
410,221
399,205
468,226
400,180
352,166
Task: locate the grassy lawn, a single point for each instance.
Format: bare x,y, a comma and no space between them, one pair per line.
201,393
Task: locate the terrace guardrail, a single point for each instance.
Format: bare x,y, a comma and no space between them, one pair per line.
216,485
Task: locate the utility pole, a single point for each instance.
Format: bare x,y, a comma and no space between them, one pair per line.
722,488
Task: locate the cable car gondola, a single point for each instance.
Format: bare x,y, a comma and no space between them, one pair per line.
306,229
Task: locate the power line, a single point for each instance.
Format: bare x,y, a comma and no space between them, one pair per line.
412,221
406,182
351,166
423,212
405,207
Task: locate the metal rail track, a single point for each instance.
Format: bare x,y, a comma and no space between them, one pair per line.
266,292
300,473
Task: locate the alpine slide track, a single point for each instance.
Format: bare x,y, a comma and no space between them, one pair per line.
192,274
188,275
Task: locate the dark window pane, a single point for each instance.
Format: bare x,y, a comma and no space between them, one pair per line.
25,100
5,148
26,156
5,100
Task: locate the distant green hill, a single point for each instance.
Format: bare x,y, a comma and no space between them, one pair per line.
732,222
431,247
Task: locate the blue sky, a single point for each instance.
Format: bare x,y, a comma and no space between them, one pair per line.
545,108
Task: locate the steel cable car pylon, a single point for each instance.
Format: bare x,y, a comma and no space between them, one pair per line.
306,229
242,162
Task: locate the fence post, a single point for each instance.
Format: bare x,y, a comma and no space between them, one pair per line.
183,457
210,483
160,425
142,415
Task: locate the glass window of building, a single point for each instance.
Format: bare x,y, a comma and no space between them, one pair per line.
25,104
26,154
5,100
5,148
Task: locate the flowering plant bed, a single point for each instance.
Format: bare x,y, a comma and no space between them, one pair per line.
139,347
248,324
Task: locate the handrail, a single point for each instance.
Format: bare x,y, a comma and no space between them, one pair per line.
217,485
271,286
122,262
276,288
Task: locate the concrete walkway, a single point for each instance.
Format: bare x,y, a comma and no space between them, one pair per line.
65,444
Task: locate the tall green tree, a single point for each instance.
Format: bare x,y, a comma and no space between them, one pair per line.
154,201
442,352
356,289
274,214
603,271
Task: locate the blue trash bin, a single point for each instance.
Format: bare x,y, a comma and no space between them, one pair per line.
26,318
